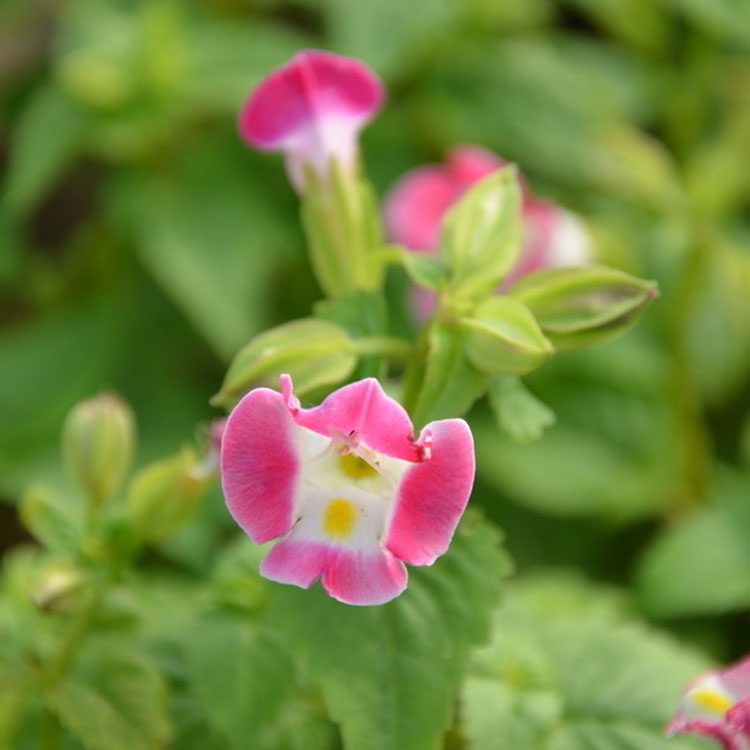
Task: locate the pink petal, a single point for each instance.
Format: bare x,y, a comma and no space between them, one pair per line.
736,679
415,205
295,561
705,729
363,408
364,578
432,495
468,165
260,465
310,88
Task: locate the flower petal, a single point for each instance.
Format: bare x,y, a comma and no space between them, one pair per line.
313,86
260,465
364,578
433,494
736,679
295,561
380,422
415,205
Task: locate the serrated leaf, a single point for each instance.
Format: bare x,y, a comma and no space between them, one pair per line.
240,675
451,383
388,673
113,703
518,412
572,677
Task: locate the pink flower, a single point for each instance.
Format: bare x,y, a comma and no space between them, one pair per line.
312,109
717,705
347,488
415,207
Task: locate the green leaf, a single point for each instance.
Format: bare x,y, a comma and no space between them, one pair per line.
362,314
240,675
585,474
517,411
503,338
49,134
700,565
314,352
113,703
55,519
451,383
422,268
481,237
578,307
574,676
388,673
210,237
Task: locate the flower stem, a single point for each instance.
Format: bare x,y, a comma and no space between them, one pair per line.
399,350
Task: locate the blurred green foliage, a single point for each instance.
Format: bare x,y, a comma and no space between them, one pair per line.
142,245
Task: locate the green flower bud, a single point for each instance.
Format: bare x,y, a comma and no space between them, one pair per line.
165,495
481,238
314,352
58,586
502,338
98,442
578,307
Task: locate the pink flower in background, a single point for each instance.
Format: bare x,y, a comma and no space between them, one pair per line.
346,486
312,109
717,705
415,207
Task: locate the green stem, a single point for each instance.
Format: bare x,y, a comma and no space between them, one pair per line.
389,346
73,638
684,393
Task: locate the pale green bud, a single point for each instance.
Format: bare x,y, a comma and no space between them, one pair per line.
314,352
503,338
98,443
165,495
58,586
577,307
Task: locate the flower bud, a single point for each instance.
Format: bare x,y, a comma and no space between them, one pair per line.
98,442
314,352
578,307
57,586
165,495
502,338
481,238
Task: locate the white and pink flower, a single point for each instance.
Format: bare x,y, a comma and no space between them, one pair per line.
345,486
312,110
717,706
416,204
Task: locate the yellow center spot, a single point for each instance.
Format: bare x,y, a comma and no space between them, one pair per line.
355,467
340,518
712,701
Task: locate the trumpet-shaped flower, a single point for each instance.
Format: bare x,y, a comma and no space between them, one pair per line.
312,110
417,203
345,486
717,705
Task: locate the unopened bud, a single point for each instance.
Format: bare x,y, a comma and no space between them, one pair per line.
502,338
98,443
577,307
58,586
314,352
166,495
